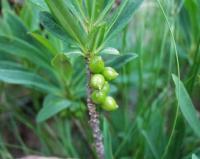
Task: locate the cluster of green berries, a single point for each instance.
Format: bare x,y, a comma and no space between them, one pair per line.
99,83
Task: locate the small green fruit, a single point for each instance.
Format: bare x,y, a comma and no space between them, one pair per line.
96,64
98,97
97,81
109,104
106,88
109,73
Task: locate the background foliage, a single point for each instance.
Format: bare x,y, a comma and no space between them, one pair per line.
158,115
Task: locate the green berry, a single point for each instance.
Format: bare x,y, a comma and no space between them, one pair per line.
98,97
96,64
106,88
97,81
110,73
109,104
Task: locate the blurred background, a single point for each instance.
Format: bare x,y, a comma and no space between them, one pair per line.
143,126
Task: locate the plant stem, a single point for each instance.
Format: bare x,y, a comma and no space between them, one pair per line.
94,118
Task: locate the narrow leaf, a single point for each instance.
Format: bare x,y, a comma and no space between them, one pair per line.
111,51
28,79
107,140
186,106
51,106
124,16
50,24
122,60
44,42
23,49
40,3
66,20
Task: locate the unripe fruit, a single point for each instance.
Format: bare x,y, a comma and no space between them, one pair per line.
98,97
109,104
97,81
96,64
109,73
106,88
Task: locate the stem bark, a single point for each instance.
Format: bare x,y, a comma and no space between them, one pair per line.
94,117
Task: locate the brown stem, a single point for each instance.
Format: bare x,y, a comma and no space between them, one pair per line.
94,118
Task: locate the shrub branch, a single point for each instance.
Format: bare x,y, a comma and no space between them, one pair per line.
94,118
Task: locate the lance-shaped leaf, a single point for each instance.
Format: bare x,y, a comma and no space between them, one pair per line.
19,30
45,42
123,16
23,49
65,18
121,60
63,66
50,24
40,3
186,106
107,139
29,79
51,106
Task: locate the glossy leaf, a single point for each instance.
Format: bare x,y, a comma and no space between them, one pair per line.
111,51
73,53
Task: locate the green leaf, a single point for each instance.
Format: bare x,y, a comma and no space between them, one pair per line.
18,29
186,106
110,50
5,29
104,12
121,60
88,4
123,16
73,8
65,18
50,24
63,66
23,49
44,42
5,5
40,3
32,80
11,65
107,140
73,53
51,106
29,15
150,144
